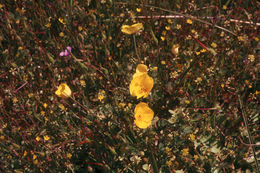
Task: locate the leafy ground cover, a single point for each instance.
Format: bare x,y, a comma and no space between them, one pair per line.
193,102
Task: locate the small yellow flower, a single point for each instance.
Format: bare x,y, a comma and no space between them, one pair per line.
257,92
45,105
251,58
256,39
189,21
185,151
122,15
198,80
1,6
222,34
196,157
34,157
163,62
174,74
143,115
192,137
80,28
222,85
169,21
61,34
187,101
240,38
46,137
121,105
100,97
15,100
38,138
167,28
169,163
178,26
197,53
138,10
61,21
82,83
20,48
155,68
132,29
162,38
231,152
203,50
48,25
167,150
63,91
214,45
42,113
69,155
224,7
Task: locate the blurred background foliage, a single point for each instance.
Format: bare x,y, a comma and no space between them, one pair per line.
202,56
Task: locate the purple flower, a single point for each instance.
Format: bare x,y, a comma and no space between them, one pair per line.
245,61
66,52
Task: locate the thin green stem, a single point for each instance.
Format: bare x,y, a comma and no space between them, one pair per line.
84,107
151,154
136,51
248,132
154,163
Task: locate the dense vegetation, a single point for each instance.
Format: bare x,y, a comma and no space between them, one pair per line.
204,102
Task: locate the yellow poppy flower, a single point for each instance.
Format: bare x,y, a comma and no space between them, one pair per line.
143,124
143,115
46,137
141,85
140,69
63,91
132,29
